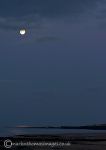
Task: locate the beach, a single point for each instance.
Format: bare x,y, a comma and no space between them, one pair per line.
74,141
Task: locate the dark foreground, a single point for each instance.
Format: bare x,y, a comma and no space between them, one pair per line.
74,141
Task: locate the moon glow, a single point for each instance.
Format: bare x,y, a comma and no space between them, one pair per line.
22,31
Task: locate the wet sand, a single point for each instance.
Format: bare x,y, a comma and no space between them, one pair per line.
80,141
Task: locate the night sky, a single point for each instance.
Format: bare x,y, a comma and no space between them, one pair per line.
56,73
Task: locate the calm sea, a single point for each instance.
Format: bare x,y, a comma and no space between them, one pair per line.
23,131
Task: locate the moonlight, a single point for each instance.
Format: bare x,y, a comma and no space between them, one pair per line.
22,32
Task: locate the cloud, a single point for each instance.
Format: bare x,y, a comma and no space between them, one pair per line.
100,14
35,14
48,8
12,23
47,38
15,14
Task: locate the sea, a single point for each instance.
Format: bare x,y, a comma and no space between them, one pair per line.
7,132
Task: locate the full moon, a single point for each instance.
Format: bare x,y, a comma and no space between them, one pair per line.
22,31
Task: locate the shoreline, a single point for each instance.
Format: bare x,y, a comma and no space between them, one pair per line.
78,141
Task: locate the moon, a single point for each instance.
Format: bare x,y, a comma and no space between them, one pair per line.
22,31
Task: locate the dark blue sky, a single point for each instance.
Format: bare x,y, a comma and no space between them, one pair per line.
56,73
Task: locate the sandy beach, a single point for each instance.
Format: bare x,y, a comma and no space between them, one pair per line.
74,141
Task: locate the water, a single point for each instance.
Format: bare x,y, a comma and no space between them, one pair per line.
23,131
